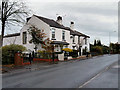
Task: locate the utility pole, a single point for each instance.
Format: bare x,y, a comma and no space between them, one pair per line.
110,41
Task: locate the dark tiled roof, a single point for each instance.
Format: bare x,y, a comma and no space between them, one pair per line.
78,34
53,23
12,35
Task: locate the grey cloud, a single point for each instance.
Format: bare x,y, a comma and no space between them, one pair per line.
92,18
94,8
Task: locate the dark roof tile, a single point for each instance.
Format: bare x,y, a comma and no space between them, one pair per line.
12,35
53,23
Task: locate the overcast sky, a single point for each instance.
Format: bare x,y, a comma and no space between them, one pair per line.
96,19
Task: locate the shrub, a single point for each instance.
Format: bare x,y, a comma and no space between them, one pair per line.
74,54
98,50
105,49
43,54
8,52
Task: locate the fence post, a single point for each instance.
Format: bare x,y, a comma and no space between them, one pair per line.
17,58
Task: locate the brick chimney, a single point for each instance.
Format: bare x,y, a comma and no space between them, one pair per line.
59,20
72,25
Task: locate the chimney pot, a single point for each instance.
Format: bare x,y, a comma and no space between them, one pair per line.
72,22
72,25
59,20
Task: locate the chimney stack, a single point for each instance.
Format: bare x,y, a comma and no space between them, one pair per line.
59,20
72,25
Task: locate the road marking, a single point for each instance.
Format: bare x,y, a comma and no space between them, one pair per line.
96,75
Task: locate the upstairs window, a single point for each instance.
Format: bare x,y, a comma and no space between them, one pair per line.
53,33
78,39
63,35
24,37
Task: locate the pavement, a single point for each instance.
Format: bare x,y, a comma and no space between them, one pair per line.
72,74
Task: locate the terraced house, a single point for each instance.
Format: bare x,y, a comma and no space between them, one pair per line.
55,31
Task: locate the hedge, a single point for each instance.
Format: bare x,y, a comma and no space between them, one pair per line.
8,52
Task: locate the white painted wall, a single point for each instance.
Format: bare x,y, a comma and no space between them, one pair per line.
11,40
75,42
85,45
58,34
71,40
82,41
40,24
37,23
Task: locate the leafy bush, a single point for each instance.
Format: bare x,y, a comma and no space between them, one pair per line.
105,49
98,50
8,52
43,54
74,54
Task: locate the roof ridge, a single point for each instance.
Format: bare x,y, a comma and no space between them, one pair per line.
43,17
53,23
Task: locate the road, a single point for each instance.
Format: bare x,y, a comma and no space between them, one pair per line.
73,74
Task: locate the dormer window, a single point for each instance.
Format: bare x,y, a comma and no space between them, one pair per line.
53,33
63,35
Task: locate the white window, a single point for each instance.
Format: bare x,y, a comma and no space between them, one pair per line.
63,35
53,33
78,39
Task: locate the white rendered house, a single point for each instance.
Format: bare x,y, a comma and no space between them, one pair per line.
54,30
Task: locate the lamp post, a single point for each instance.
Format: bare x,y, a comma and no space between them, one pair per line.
110,41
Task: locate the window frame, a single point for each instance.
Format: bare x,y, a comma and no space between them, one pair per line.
78,39
53,33
63,35
24,36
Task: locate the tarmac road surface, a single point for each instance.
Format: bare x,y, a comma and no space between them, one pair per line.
69,75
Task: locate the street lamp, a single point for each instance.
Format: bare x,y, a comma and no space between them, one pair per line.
110,41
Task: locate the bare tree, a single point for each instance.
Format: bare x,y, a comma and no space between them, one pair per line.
12,12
